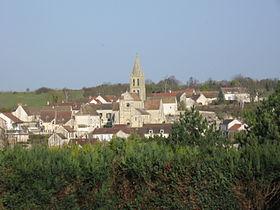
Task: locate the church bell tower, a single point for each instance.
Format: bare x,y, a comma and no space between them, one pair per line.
137,80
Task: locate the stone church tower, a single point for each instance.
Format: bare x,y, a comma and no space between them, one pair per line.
137,80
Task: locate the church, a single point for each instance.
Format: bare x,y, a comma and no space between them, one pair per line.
134,107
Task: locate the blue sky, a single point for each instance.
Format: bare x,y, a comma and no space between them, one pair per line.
71,43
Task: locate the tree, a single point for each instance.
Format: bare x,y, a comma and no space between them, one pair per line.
192,82
193,130
66,94
221,97
264,121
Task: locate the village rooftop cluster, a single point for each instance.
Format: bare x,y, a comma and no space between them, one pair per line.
104,116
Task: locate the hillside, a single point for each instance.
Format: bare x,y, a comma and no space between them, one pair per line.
9,100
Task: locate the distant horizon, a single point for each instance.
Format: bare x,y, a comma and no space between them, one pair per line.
75,44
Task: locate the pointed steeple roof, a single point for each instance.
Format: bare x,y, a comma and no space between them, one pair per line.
137,69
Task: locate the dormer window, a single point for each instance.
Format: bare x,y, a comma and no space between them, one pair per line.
127,105
161,131
150,131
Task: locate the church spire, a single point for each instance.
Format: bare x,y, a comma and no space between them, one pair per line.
137,79
137,69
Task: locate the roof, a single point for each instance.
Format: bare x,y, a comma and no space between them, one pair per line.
88,109
61,135
166,99
195,97
227,121
234,90
235,127
61,116
116,106
159,95
104,107
32,110
152,104
12,117
111,98
68,128
112,130
73,105
142,111
210,94
156,128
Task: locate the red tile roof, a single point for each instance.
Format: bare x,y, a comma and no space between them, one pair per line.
235,127
152,104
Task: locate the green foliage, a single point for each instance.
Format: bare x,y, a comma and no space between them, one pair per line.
140,175
193,130
221,97
264,121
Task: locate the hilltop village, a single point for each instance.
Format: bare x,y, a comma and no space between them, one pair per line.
104,116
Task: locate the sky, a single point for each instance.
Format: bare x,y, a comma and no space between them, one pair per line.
84,43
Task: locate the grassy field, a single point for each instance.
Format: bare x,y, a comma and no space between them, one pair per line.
11,99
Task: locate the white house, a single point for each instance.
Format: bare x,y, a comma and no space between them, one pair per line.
106,134
200,99
66,131
239,94
211,96
27,114
232,125
13,128
57,140
86,120
152,130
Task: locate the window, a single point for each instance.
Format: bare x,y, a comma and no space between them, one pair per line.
138,82
127,105
133,82
150,131
161,131
108,115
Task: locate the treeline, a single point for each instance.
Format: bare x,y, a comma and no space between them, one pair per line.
261,87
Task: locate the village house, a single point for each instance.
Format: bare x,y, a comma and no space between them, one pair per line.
86,120
27,114
106,134
231,126
66,131
169,102
211,96
106,114
57,140
14,129
152,130
51,119
239,94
